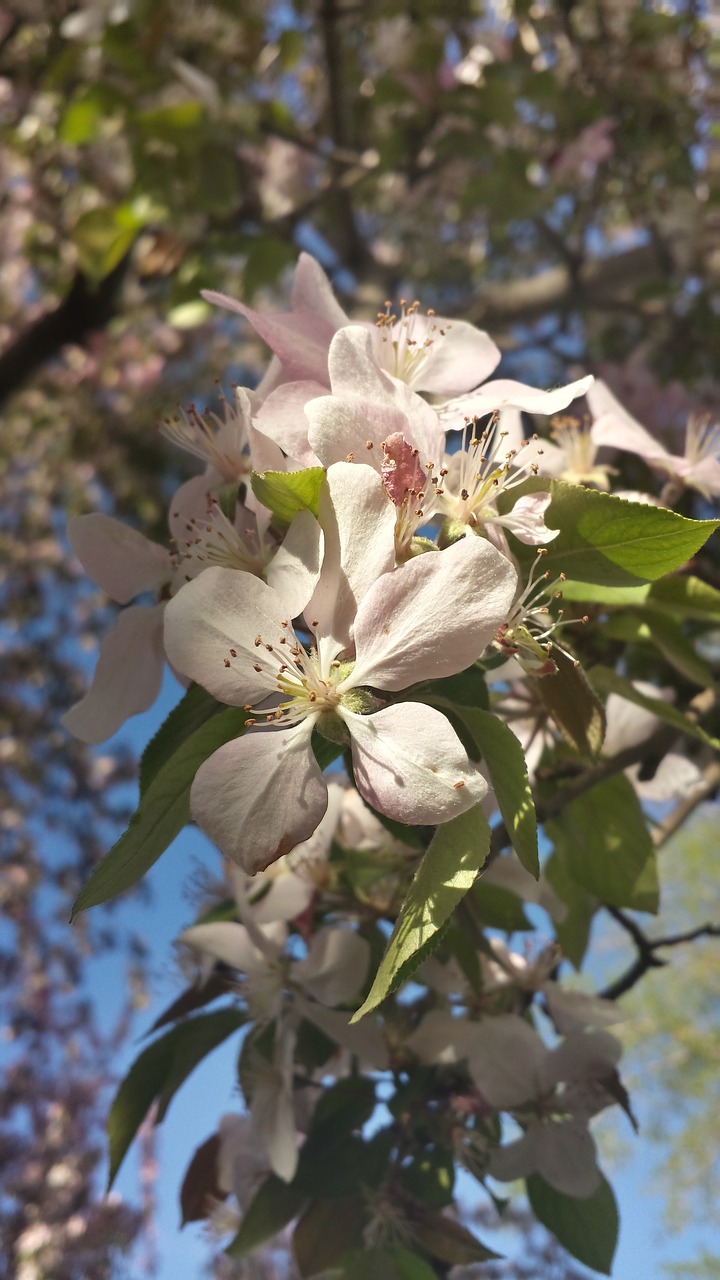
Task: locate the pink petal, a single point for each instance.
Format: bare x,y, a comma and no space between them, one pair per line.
410,764
340,428
282,418
358,520
120,560
300,340
312,293
220,611
127,677
260,795
433,616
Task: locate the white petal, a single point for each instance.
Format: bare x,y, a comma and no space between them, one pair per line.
567,1159
335,967
230,942
358,521
340,427
294,570
675,776
433,616
527,521
582,1056
518,1159
507,1064
617,428
460,357
271,1108
127,677
259,796
505,391
572,1009
363,1039
287,897
410,764
118,558
442,1039
221,610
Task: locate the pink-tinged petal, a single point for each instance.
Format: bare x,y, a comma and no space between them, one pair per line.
335,967
358,520
259,796
221,611
127,678
282,419
458,356
120,560
507,1064
294,570
526,520
506,392
433,616
313,294
410,764
341,428
299,340
362,1039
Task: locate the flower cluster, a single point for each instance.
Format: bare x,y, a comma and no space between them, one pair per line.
370,572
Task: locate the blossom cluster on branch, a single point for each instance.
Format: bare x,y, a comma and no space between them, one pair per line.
363,594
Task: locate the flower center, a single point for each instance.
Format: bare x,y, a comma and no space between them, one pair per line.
480,471
214,540
702,440
305,688
220,441
407,340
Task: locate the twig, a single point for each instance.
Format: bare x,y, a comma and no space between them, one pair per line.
647,949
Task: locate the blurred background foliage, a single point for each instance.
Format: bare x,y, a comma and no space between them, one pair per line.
546,170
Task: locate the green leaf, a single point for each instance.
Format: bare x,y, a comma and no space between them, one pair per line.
616,543
606,846
454,856
498,908
161,815
587,1228
573,706
377,1263
431,1177
158,1073
606,681
505,760
686,597
446,1239
327,1231
667,637
346,1106
274,1205
103,236
573,931
194,709
285,493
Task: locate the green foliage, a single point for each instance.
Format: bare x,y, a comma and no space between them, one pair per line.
505,761
602,840
274,1204
159,1072
286,493
162,813
606,681
616,543
455,854
587,1228
573,706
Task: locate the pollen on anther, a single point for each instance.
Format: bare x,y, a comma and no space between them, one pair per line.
258,641
226,662
233,653
369,444
458,786
256,666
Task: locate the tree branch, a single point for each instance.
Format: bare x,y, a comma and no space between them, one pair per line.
647,949
83,310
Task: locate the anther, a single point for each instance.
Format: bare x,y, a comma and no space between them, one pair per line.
256,666
233,653
458,786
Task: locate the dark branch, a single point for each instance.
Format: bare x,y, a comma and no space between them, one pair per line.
82,311
647,949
